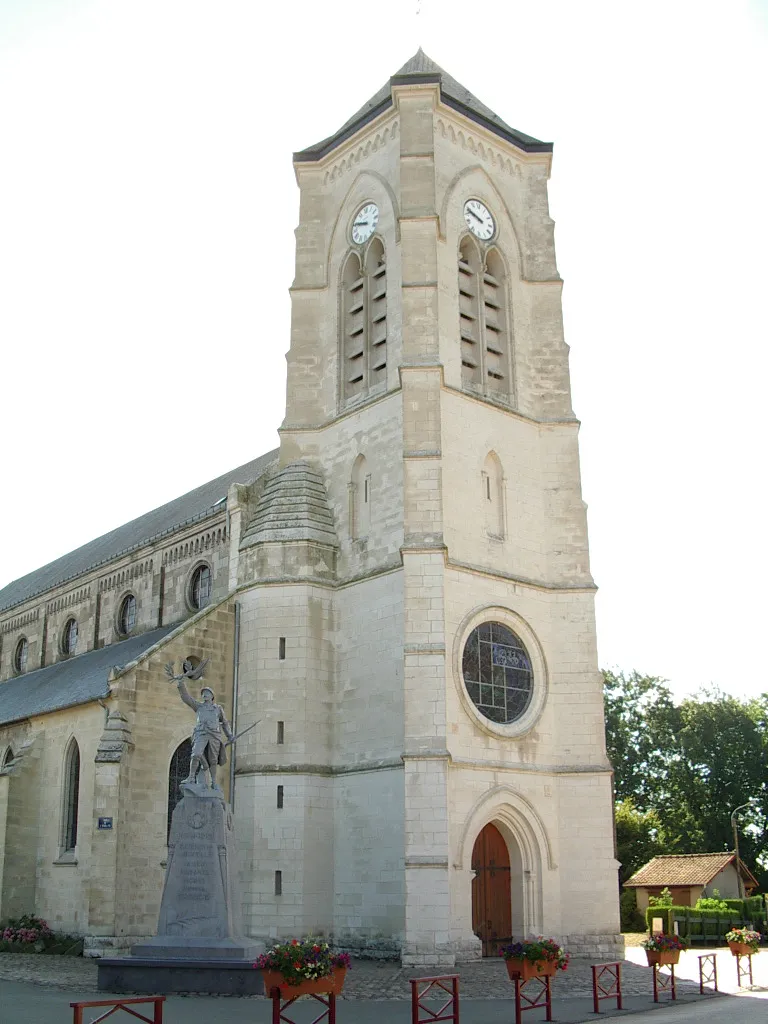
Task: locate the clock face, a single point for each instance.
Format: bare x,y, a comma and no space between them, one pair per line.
364,224
479,220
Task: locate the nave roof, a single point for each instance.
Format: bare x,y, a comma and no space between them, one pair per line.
74,681
190,507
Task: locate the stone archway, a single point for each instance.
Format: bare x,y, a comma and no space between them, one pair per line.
529,852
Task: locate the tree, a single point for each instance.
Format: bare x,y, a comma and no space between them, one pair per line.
640,721
680,771
637,837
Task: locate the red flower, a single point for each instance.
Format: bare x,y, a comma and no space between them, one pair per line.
295,942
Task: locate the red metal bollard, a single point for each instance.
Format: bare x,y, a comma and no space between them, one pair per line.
602,975
663,982
449,984
121,1004
707,971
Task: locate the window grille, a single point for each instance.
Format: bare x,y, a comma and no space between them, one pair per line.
127,614
483,328
177,773
20,655
497,672
71,797
201,587
69,639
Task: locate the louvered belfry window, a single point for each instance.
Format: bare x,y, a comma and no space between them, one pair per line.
71,797
483,328
364,320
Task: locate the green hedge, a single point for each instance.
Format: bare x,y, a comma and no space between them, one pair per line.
707,925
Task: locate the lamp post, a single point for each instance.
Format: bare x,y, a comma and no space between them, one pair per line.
735,828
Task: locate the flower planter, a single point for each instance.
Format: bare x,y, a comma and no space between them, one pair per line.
741,948
330,984
527,969
662,958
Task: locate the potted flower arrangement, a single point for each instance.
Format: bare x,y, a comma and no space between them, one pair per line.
663,949
534,958
742,941
303,967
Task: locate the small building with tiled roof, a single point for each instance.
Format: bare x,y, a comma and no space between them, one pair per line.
691,876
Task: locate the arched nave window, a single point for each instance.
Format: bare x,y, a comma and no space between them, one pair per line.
7,757
493,496
364,320
71,797
360,497
178,771
483,326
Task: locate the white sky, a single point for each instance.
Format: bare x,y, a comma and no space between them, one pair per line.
147,209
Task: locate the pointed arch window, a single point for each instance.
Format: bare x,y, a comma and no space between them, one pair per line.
71,797
364,320
483,320
8,757
177,772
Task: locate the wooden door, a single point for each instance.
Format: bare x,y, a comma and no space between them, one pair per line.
491,891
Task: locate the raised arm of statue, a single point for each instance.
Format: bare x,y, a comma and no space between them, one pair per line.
184,694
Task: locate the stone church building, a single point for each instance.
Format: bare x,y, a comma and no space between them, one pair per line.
400,595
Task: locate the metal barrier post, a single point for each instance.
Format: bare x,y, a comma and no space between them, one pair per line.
740,971
121,1004
664,982
542,998
707,971
449,984
599,991
279,1007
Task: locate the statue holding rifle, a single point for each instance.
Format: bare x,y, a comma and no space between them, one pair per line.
208,751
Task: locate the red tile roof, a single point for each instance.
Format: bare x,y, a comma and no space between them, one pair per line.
685,869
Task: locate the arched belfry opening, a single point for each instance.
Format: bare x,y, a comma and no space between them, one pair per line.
486,362
364,320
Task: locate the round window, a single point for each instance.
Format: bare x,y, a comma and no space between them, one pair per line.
127,617
69,637
497,673
200,590
20,655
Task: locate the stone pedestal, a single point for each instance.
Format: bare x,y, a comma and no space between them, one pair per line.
199,942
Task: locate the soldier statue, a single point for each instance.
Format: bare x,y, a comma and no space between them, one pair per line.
208,751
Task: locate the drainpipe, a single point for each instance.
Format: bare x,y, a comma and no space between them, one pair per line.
235,689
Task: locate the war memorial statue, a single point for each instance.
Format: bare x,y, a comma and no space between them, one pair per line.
208,751
199,945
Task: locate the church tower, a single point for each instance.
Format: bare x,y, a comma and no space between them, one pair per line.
417,627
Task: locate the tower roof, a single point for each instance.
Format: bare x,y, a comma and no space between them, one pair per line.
420,68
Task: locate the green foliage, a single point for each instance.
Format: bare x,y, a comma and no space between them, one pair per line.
664,899
632,919
687,767
637,837
713,902
695,924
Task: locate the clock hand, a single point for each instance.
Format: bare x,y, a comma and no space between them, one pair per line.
477,218
360,224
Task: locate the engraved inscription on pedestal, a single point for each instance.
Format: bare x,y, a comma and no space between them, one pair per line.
199,912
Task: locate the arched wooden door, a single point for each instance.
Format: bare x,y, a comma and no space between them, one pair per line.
491,891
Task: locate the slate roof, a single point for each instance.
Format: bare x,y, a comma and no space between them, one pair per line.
684,869
420,68
197,504
77,680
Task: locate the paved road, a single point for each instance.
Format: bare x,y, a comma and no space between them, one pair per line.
740,1009
27,1003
